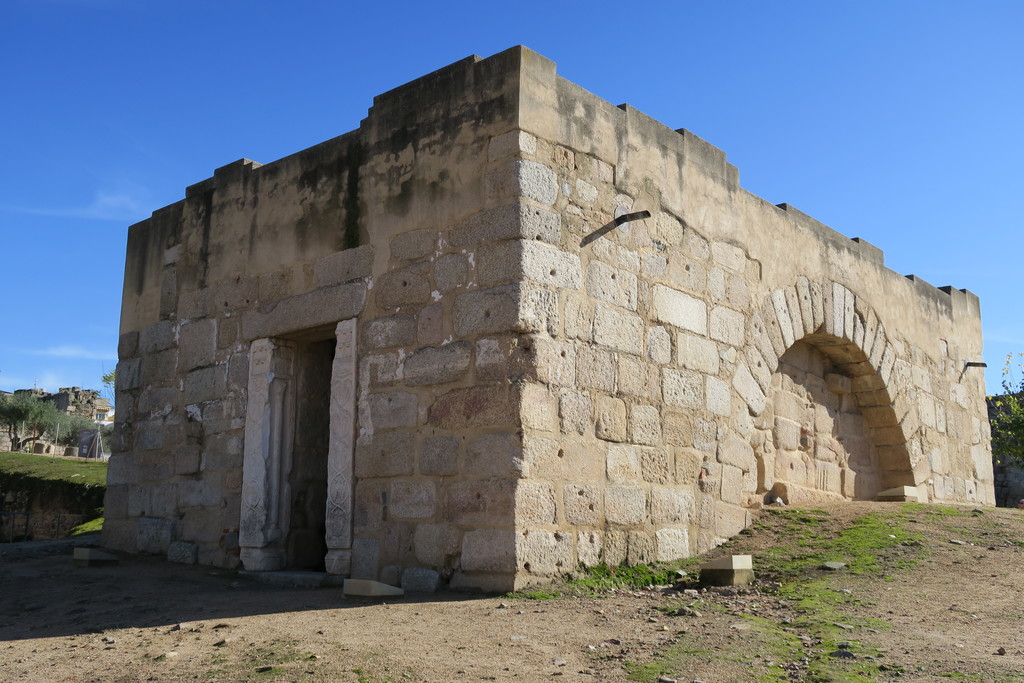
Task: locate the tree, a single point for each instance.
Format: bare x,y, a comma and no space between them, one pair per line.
25,413
1006,414
109,380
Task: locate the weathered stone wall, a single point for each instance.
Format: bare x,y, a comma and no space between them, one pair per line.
525,395
669,400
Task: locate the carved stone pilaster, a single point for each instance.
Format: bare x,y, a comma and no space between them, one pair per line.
266,456
339,457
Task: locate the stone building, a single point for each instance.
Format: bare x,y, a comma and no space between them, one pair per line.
504,328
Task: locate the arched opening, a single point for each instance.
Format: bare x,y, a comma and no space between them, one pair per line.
828,431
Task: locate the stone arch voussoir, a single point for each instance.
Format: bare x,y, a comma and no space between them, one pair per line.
845,327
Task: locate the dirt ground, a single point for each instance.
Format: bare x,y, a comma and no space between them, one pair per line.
957,613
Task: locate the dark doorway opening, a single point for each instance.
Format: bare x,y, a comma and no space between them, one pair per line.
307,479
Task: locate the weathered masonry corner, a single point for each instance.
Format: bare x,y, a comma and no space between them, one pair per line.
505,328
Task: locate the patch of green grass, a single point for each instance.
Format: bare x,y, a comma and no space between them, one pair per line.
90,527
54,469
539,594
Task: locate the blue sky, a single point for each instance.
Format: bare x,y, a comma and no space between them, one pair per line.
898,122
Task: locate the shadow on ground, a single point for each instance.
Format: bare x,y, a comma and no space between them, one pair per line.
43,595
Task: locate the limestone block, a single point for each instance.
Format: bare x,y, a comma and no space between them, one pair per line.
636,377
682,388
595,369
610,422
729,520
749,388
430,324
615,547
205,384
736,451
579,318
544,553
640,548
494,455
625,505
718,396
728,256
164,500
526,178
487,311
182,552
907,494
365,558
589,547
733,570
196,344
586,192
575,411
727,326
672,544
344,266
154,535
434,544
439,456
157,336
659,345
385,454
655,464
786,434
613,285
437,365
697,353
548,360
688,464
392,330
732,484
511,143
513,221
582,505
795,312
623,463
535,504
413,499
539,408
480,502
128,345
392,409
489,550
128,376
677,429
420,580
569,460
402,287
450,272
655,265
414,245
645,425
478,406
761,340
619,331
320,307
682,310
671,505
716,283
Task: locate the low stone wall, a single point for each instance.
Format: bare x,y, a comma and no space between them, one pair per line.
1009,484
33,509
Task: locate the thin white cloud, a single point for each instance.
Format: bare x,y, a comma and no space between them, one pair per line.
105,206
69,351
117,199
50,381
